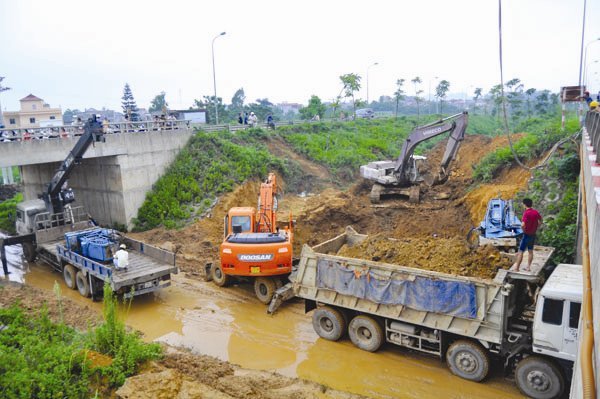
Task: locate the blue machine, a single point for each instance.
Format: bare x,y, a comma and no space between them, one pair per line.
500,220
94,244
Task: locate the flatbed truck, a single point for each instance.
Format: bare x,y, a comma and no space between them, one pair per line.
43,238
523,324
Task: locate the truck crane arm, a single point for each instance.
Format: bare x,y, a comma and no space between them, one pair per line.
55,196
456,124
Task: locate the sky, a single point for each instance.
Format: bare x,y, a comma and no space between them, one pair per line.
79,54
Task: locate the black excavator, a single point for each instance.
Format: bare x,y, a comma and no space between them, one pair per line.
403,176
54,201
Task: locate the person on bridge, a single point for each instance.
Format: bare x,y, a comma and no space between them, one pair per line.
121,258
530,222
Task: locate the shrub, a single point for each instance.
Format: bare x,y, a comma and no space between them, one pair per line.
8,211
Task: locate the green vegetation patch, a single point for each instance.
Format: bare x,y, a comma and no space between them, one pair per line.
542,135
211,164
47,360
8,211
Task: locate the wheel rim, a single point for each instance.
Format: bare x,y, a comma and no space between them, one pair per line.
218,274
466,362
68,278
538,380
262,288
365,333
326,324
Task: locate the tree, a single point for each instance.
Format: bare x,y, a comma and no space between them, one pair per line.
130,109
477,96
542,102
529,93
351,82
314,107
515,97
159,104
261,108
209,105
496,97
440,92
416,81
237,101
398,94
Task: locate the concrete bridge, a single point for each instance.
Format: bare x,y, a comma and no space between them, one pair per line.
114,177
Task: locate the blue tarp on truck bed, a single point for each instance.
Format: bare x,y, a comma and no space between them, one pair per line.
453,298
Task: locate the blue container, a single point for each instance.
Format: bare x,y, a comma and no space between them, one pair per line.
99,249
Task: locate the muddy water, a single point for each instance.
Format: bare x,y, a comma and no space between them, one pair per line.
231,325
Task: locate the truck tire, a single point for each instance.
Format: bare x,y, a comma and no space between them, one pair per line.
539,378
468,360
218,277
29,251
366,333
83,286
264,288
69,276
329,323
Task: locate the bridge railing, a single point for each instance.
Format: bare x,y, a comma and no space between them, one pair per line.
58,132
592,125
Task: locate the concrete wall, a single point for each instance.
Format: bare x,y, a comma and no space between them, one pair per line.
591,173
111,186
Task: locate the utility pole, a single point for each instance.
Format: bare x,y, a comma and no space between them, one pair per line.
376,63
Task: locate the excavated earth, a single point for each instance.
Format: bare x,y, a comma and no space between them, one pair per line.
430,234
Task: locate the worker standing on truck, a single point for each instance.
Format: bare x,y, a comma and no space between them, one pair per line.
530,222
121,258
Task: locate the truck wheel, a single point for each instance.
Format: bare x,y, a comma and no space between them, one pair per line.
82,284
329,323
220,278
539,378
264,288
69,276
29,251
468,360
366,333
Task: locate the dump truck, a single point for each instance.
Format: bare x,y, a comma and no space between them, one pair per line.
529,327
70,244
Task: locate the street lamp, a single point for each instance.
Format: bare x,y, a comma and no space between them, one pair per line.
584,63
2,88
215,77
372,65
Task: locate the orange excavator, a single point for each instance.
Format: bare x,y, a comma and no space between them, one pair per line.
254,248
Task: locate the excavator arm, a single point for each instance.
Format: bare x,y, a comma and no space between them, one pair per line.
456,124
55,195
266,217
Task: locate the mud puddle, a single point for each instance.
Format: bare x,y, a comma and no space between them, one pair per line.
231,325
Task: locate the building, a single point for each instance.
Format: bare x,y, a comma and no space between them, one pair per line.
286,107
192,115
34,113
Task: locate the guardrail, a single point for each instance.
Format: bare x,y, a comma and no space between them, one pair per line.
237,126
59,132
592,125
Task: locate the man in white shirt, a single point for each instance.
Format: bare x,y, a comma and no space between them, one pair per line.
121,258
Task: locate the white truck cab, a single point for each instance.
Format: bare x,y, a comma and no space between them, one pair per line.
557,313
26,212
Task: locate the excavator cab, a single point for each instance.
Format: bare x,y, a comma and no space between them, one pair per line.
244,217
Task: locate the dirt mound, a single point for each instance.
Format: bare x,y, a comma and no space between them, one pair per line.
445,255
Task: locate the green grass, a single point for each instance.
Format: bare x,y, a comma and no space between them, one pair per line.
47,360
8,210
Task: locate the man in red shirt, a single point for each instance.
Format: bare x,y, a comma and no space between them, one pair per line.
530,222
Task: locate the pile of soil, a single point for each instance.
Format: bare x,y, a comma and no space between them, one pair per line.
445,255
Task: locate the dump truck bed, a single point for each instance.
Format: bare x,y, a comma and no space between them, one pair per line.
466,306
